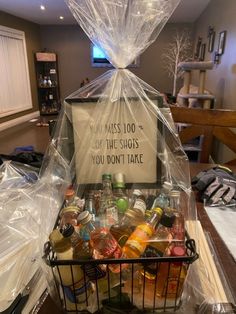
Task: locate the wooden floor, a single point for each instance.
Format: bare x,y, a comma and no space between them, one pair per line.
23,135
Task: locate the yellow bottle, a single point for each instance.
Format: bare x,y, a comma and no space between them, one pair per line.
137,242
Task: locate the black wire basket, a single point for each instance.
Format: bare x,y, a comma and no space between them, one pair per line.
130,290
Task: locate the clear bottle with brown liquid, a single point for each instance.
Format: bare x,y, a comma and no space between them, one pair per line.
123,230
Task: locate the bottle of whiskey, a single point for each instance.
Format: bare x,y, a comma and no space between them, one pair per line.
108,212
103,243
121,198
137,242
123,230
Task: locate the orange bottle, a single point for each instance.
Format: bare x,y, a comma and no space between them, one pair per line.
138,240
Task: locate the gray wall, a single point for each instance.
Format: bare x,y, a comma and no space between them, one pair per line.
221,81
33,44
73,48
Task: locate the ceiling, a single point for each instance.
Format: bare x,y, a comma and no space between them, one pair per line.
187,12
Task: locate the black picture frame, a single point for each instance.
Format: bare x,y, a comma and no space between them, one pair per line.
198,46
202,52
211,40
221,43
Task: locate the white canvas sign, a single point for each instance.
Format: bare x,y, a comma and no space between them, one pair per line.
114,137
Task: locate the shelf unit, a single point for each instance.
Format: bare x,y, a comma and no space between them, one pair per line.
47,83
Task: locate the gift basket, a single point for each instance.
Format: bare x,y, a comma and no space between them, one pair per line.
113,213
120,238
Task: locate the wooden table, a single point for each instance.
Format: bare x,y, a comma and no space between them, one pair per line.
224,256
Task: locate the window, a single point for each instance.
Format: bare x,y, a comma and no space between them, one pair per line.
15,94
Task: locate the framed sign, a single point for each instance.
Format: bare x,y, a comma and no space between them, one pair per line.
115,137
221,43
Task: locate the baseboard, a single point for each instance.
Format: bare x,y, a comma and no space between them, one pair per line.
16,121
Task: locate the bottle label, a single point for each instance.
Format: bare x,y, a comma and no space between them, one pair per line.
140,205
111,216
76,293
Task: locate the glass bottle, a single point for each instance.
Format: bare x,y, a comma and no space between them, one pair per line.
178,228
108,212
69,215
162,199
137,242
121,198
90,206
77,288
138,201
81,248
101,240
69,195
123,230
171,275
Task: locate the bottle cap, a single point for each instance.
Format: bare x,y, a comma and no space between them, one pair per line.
137,192
69,193
118,185
158,210
67,230
72,209
119,178
106,176
174,193
167,185
178,251
167,220
84,217
58,242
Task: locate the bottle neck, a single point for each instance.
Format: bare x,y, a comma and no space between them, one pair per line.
154,219
107,187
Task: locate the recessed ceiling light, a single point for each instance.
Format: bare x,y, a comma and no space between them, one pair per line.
42,7
61,17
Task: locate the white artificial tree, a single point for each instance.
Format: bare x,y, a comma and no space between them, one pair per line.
178,50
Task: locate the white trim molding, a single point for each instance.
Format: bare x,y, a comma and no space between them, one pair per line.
19,120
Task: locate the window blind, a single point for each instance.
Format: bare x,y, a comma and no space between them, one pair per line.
15,93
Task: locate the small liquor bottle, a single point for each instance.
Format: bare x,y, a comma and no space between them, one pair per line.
137,242
102,241
123,230
69,215
138,201
162,199
171,276
89,205
121,198
108,212
178,228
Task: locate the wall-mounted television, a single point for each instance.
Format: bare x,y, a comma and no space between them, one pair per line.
98,58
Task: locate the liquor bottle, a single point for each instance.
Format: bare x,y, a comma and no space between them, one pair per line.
137,242
50,95
138,201
49,82
178,228
121,198
162,199
171,275
77,288
81,248
70,197
108,212
102,241
45,81
90,206
69,215
126,226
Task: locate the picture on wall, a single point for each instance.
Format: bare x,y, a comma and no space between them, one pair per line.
202,52
198,46
211,40
221,43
